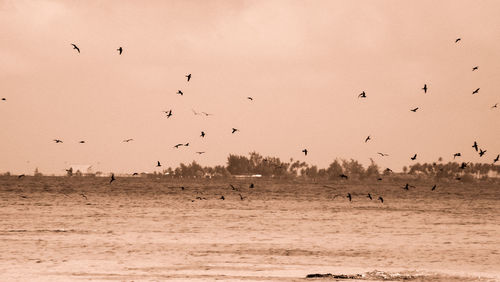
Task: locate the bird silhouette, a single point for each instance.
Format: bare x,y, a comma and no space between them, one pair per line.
433,187
158,164
128,140
305,152
456,155
188,77
475,68
234,130
458,39
76,47
120,50
20,176
199,153
408,186
381,199
343,176
414,110
207,114
425,88
4,99
382,154
202,134
186,145
251,185
81,142
481,152
414,157
369,196
495,106
178,145
475,91
349,197
368,138
58,141
169,113
388,170
362,95
241,197
180,92
195,112
112,178
475,146
135,173
463,165
222,197
496,159
250,98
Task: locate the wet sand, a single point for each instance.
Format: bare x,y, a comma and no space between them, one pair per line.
141,229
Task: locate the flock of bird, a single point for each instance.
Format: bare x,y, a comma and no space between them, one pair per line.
362,95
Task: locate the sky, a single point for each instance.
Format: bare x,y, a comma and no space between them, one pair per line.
303,62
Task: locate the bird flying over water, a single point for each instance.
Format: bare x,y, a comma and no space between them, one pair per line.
475,91
305,152
425,88
76,47
362,95
414,110
475,146
481,152
414,157
188,77
120,50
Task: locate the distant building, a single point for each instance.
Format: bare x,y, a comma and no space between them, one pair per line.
83,170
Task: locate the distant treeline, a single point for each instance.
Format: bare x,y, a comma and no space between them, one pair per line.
256,165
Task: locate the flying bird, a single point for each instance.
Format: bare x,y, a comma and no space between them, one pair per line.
349,197
188,77
178,145
241,197
112,178
199,153
180,92
128,140
463,165
381,199
305,152
496,159
382,154
3,99
456,155
481,152
120,50
408,186
187,144
76,47
251,185
234,130
433,187
206,114
250,98
495,106
58,141
414,157
414,110
362,95
20,176
475,91
169,113
475,146
425,88
369,196
202,134
222,197
82,142
368,138
135,173
343,176
158,164
475,68
458,39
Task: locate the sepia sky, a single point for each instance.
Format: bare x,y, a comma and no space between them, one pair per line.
303,62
